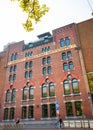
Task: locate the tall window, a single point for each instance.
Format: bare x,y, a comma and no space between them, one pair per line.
8,96
26,75
65,66
13,97
31,92
26,65
78,108
67,41
69,55
51,89
24,112
6,114
52,110
44,61
44,90
44,71
30,112
11,113
69,109
14,56
64,56
62,43
66,87
75,86
25,92
71,66
44,111
48,60
49,70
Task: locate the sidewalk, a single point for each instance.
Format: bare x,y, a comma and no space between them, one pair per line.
59,129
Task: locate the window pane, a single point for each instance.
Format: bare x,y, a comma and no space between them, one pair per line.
69,110
30,64
11,114
30,74
75,86
25,91
26,65
69,55
48,60
65,66
44,90
10,78
71,66
66,87
14,69
49,70
51,89
23,112
8,96
78,108
13,96
63,56
14,77
52,110
30,112
44,111
11,68
6,114
26,75
62,43
31,93
67,40
43,61
16,56
44,71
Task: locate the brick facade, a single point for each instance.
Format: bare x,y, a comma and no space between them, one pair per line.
57,76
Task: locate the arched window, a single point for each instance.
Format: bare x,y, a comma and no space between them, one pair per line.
30,74
26,75
44,71
11,68
30,64
48,60
12,57
65,66
67,41
8,96
14,69
43,61
64,56
51,89
26,65
75,86
16,56
31,92
49,70
69,55
10,78
13,96
14,77
71,66
66,86
44,90
25,92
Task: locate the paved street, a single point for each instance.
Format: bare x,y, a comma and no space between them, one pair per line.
59,129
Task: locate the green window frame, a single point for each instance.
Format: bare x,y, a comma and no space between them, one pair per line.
44,111
12,110
30,112
51,89
78,108
75,86
6,114
52,110
69,109
66,86
24,112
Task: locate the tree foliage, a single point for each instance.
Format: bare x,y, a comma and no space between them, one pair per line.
34,11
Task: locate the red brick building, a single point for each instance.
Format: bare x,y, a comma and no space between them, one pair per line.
46,78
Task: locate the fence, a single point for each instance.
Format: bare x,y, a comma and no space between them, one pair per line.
11,126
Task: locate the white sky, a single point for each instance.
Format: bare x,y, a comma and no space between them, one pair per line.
61,13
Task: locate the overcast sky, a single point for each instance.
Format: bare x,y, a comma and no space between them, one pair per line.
61,13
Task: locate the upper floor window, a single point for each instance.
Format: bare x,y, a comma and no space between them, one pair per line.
13,97
51,89
68,66
25,91
46,49
46,60
66,87
31,92
11,94
28,65
8,96
64,42
28,74
14,56
75,86
66,55
47,70
28,54
44,90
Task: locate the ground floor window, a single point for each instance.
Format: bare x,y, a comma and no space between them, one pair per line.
52,110
44,111
6,114
30,112
23,112
78,108
11,113
69,110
